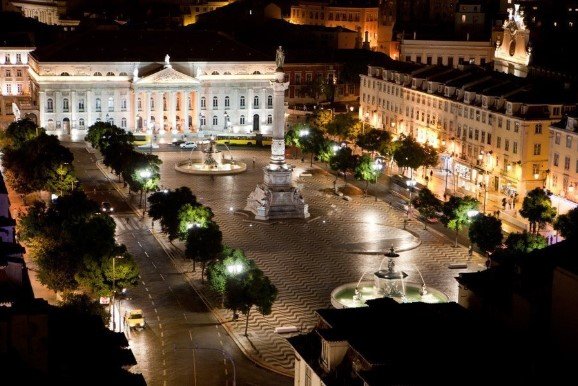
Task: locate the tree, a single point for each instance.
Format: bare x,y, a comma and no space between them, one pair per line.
204,245
486,232
62,179
95,132
18,133
134,168
524,242
457,211
190,216
325,151
344,126
165,206
320,119
567,225
343,161
537,208
311,142
248,289
409,153
375,140
427,204
366,171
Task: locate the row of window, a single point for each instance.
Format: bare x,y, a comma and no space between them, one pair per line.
110,73
242,102
18,73
557,140
440,60
9,89
8,59
97,106
337,16
567,161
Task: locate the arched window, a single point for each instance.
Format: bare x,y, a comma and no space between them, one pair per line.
81,122
242,120
81,105
215,102
256,102
269,119
256,73
123,74
215,73
110,73
203,103
270,102
227,73
98,105
227,102
65,74
49,105
123,104
139,104
203,120
123,122
111,121
152,102
242,102
178,107
65,105
97,74
110,104
215,120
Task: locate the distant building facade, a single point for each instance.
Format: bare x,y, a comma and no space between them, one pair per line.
446,53
563,160
513,51
493,130
198,9
14,80
49,12
228,92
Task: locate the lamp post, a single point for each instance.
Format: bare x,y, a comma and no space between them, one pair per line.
145,175
377,167
471,214
411,185
114,290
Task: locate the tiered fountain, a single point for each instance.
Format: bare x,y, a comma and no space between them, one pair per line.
211,163
387,283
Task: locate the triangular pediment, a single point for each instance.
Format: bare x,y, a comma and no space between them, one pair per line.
168,76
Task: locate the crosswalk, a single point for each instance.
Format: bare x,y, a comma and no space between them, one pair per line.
127,223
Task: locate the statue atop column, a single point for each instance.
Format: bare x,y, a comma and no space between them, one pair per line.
280,57
167,61
135,73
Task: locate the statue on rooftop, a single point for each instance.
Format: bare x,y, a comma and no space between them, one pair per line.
167,60
280,57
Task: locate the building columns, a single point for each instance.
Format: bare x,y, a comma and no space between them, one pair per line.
173,111
185,109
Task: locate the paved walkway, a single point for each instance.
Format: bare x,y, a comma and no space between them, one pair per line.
307,259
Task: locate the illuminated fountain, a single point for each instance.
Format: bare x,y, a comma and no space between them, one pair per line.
211,163
386,283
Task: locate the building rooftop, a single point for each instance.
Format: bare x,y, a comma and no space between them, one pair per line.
183,45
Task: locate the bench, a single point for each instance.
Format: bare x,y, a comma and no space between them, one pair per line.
306,175
458,266
286,329
347,198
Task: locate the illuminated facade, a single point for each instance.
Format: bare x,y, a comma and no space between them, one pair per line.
513,52
14,80
563,165
228,92
446,53
361,18
199,9
492,129
45,11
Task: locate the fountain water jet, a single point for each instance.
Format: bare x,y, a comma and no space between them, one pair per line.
387,283
209,164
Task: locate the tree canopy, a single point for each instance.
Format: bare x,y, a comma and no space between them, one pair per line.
567,225
457,211
486,232
165,206
411,154
537,208
375,140
366,171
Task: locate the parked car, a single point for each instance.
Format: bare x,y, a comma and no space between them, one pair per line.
106,207
134,319
178,142
188,145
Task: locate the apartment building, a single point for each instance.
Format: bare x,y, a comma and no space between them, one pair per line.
492,129
563,165
446,52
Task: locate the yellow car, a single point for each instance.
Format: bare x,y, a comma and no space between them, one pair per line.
134,319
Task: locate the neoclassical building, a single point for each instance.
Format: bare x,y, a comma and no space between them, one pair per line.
180,82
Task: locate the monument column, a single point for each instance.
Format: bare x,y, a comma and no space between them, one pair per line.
276,197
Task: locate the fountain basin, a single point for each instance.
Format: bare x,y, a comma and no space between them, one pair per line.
199,167
343,296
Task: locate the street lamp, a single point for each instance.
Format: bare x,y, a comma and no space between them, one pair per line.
114,290
411,185
377,167
145,175
471,214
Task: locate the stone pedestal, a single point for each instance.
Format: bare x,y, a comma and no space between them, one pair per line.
277,198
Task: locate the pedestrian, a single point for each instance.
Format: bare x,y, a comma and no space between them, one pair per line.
549,239
127,219
515,200
504,203
510,203
498,213
431,173
253,162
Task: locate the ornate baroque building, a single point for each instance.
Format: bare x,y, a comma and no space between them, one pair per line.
177,82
